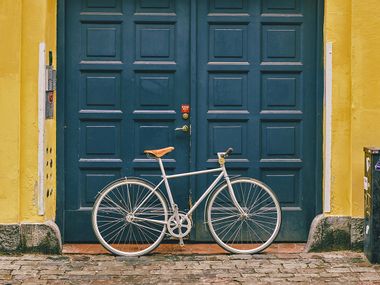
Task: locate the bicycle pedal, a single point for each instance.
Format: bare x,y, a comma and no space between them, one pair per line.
181,243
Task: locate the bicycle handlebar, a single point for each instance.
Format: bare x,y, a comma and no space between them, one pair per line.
228,151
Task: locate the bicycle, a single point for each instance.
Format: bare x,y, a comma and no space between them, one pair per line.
131,216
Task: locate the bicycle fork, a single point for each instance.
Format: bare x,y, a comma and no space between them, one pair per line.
232,193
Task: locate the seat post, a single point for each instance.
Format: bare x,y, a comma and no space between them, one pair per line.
166,182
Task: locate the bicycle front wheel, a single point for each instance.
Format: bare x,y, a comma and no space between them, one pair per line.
248,232
129,218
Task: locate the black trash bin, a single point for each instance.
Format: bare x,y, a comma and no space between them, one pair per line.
372,204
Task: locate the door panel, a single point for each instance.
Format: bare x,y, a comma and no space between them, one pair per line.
127,75
257,93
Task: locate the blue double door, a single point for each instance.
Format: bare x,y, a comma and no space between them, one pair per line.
246,68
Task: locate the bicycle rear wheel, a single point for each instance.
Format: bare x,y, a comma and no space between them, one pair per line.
252,231
129,218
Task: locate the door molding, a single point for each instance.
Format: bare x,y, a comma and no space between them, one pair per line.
319,107
60,139
193,101
60,131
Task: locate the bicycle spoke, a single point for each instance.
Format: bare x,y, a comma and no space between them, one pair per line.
222,219
269,197
122,199
150,220
151,229
120,209
129,199
230,228
237,231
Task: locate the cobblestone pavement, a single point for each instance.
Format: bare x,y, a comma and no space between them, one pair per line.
268,268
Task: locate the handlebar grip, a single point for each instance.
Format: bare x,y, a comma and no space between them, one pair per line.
228,151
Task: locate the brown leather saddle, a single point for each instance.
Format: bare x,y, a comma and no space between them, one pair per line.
159,152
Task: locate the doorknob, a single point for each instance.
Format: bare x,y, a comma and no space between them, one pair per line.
184,128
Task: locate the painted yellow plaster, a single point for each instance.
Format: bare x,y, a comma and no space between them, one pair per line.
338,31
353,26
51,36
32,34
24,24
10,78
365,71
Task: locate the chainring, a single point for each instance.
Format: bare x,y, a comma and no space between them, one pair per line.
185,225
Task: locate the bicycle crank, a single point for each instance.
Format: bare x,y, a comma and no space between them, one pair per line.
181,228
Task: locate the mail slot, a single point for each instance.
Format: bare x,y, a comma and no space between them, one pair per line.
50,87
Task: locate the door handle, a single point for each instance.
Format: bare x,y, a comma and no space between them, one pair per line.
184,128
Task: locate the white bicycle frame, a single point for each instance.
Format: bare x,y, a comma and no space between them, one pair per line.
165,180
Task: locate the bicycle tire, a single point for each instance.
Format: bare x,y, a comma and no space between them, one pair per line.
263,212
117,226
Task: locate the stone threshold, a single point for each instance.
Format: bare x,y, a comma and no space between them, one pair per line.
187,249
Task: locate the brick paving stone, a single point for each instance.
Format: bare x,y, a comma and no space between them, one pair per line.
5,277
268,268
34,257
338,269
240,256
369,276
299,279
363,269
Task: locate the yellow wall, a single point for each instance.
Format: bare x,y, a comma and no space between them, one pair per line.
24,24
10,77
51,43
352,26
338,31
365,71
